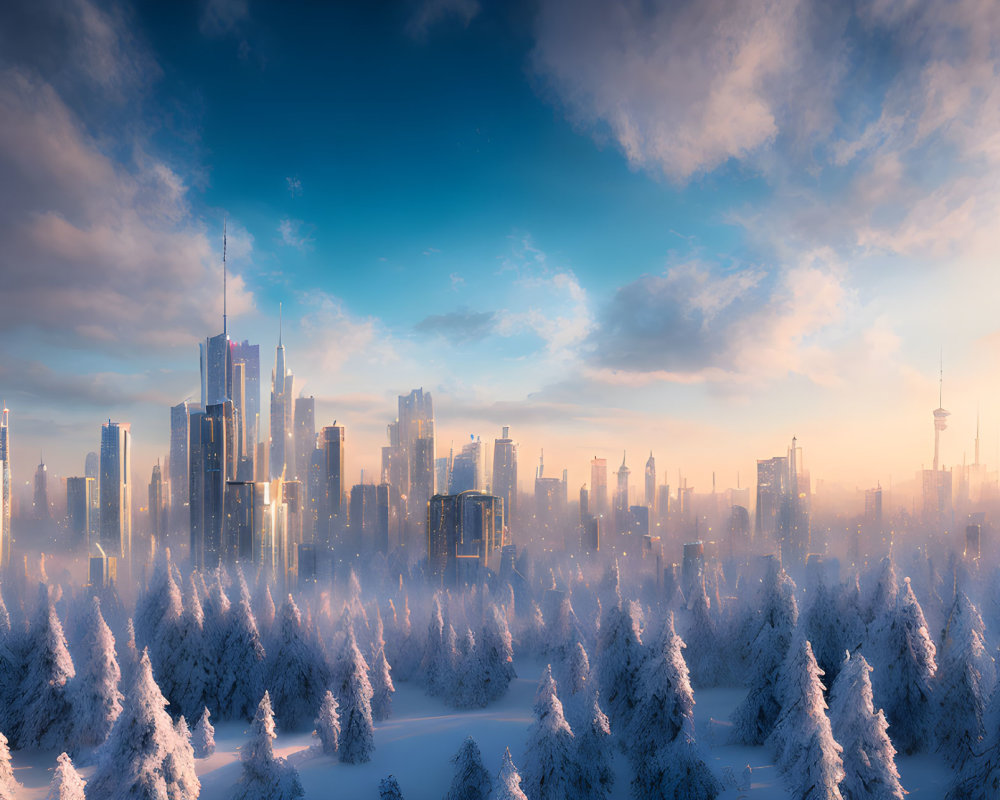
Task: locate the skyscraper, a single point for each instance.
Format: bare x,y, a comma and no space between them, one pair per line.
282,411
40,502
157,509
783,503
249,413
5,489
78,495
332,517
463,531
622,516
305,435
116,490
180,435
599,487
505,474
211,465
467,469
651,481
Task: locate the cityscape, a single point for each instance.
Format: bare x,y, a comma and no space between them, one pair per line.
499,401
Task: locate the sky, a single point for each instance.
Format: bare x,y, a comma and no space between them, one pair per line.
696,228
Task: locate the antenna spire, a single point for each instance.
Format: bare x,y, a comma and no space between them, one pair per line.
224,276
941,381
279,324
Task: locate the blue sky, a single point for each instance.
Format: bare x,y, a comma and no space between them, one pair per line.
693,227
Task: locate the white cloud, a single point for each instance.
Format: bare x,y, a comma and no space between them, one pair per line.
292,235
429,13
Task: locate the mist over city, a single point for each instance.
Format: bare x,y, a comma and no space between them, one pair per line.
499,401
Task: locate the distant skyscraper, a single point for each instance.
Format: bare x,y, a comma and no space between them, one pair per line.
332,516
5,489
305,435
211,465
180,434
463,531
157,509
116,490
651,481
783,504
40,502
364,518
282,413
92,466
78,496
505,474
467,469
249,356
216,370
92,469
599,487
622,516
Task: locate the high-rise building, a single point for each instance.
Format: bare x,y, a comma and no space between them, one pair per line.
78,495
783,504
116,491
599,487
772,489
5,489
463,532
505,474
467,469
92,469
282,415
180,435
216,370
157,509
408,462
622,517
249,412
651,482
332,516
305,435
92,466
211,465
364,518
40,501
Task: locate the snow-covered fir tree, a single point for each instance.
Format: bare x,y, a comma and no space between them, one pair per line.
802,739
468,690
195,682
435,666
869,759
620,654
240,672
594,777
577,671
48,714
382,688
97,698
964,683
471,781
143,756
979,777
297,673
508,782
8,785
158,624
550,769
704,654
357,731
821,624
882,597
496,654
684,775
178,766
265,776
66,781
903,656
203,736
775,623
388,789
328,724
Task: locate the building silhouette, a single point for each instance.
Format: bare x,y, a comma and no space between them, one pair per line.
504,479
463,532
116,491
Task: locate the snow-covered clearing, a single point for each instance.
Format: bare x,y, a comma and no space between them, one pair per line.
418,741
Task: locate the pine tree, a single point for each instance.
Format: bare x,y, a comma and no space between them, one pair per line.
471,780
297,672
904,665
194,681
594,777
8,785
382,687
468,690
265,776
158,624
357,737
684,775
496,654
883,597
869,758
97,701
328,724
549,767
178,766
508,784
242,664
48,713
620,656
979,778
203,737
66,781
823,627
388,789
143,756
701,635
802,739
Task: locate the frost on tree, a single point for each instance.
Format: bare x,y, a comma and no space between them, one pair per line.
203,736
158,624
903,657
508,783
774,625
869,758
594,777
357,731
802,739
388,789
143,756
965,681
496,654
979,778
620,655
435,666
98,701
8,786
195,681
297,675
549,764
241,666
265,776
66,781
328,724
684,775
823,627
705,655
471,781
883,596
47,713
382,688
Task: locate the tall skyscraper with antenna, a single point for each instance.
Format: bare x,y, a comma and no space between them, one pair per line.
651,481
282,411
940,418
216,353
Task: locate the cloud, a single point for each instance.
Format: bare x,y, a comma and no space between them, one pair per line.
458,326
429,13
294,186
292,235
221,17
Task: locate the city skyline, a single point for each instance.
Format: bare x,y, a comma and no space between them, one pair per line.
595,279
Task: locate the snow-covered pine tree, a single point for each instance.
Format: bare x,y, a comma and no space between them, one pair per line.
178,766
203,736
704,654
755,717
577,671
496,654
882,597
594,777
868,755
620,655
471,780
550,769
903,657
388,789
432,669
194,681
128,657
143,756
963,685
468,690
357,731
979,778
508,783
8,785
382,688
158,624
297,673
821,625
328,724
66,781
242,664
97,699
47,714
802,740
684,775
265,776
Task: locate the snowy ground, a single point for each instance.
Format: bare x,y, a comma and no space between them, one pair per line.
416,745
